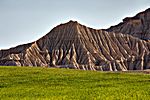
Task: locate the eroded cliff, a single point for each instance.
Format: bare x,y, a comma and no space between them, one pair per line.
72,45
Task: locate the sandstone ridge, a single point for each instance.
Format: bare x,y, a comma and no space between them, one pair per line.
137,26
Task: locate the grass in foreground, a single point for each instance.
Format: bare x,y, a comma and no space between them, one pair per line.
57,84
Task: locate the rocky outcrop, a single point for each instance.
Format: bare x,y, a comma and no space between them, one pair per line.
72,45
137,26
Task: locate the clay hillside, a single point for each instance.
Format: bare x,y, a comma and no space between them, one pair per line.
125,46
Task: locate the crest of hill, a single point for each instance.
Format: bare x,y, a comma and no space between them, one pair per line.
137,26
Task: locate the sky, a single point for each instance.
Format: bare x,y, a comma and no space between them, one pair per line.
24,21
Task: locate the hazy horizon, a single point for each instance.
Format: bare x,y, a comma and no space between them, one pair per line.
25,21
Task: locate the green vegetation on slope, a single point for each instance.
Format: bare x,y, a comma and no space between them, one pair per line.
57,84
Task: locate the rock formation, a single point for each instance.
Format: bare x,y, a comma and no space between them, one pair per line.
137,26
72,45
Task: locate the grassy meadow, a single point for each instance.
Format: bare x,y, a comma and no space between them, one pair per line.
27,83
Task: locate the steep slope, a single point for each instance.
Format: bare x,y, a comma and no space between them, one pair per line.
72,45
137,26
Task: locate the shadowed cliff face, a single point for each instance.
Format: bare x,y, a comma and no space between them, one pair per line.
137,26
72,45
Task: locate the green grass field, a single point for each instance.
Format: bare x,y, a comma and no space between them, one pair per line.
56,84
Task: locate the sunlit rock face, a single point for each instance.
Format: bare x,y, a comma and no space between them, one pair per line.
75,46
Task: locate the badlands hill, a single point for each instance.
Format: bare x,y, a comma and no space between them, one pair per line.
125,46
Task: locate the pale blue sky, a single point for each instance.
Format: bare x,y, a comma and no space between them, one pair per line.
24,21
